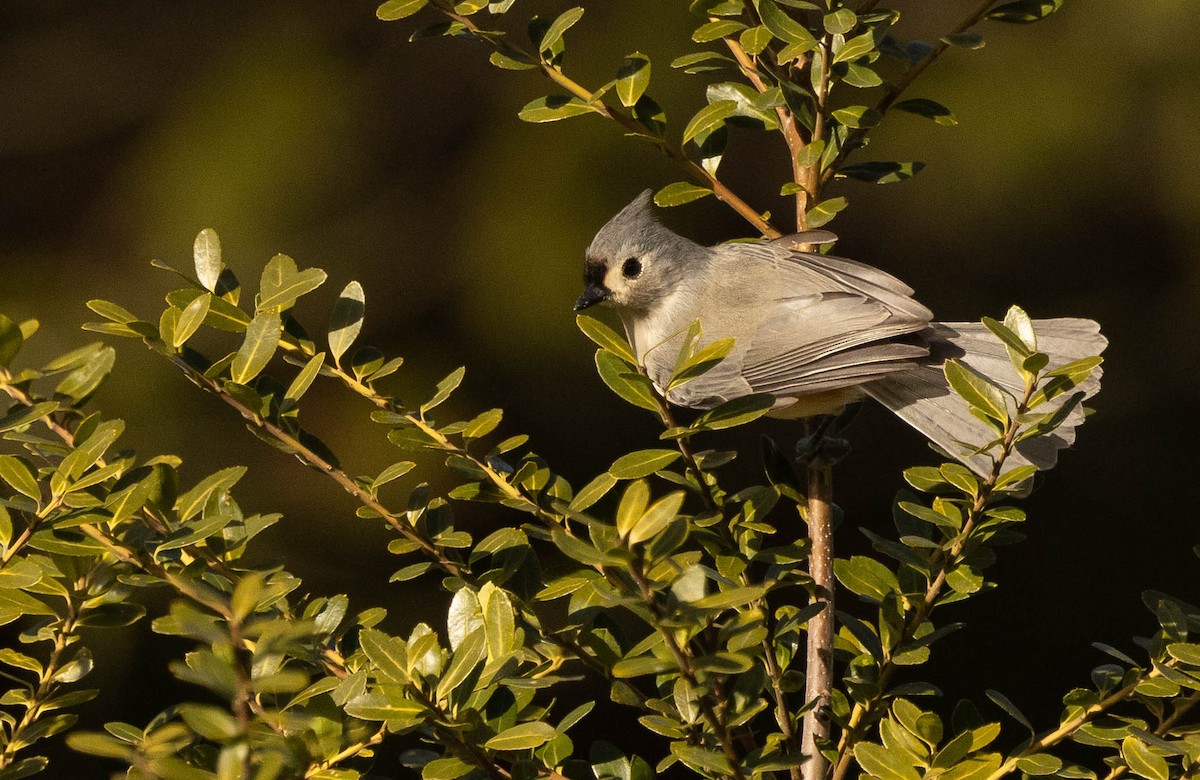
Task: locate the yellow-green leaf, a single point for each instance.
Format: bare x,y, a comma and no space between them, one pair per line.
346,320
399,9
190,319
206,253
633,76
262,338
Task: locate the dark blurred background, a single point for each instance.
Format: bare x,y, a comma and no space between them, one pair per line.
1069,186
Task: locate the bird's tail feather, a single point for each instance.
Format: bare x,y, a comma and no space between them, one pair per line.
921,396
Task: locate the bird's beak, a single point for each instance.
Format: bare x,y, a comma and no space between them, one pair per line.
593,293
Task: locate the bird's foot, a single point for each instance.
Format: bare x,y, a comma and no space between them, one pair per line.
820,451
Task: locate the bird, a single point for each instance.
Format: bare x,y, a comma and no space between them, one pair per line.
815,331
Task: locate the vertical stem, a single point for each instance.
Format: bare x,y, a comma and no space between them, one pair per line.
819,656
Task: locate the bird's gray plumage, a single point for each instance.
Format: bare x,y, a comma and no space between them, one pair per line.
816,331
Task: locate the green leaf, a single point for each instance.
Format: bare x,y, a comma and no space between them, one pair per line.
641,666
483,424
471,651
592,492
388,654
605,337
282,284
19,477
735,412
633,76
977,391
191,319
1185,653
964,40
1004,703
377,706
25,415
857,116
861,76
509,59
1038,764
444,389
392,472
755,39
881,172
700,362
579,550
11,340
399,9
1142,761
203,528
642,463
554,33
711,31
840,21
305,378
930,109
709,119
825,211
446,769
552,108
347,320
784,27
733,597
262,338
866,577
523,736
679,193
31,765
660,514
632,507
206,253
190,503
110,311
83,381
1024,11
625,382
855,47
880,762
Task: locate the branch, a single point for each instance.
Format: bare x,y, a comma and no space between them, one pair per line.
890,97
683,661
626,120
818,684
861,712
1054,736
46,688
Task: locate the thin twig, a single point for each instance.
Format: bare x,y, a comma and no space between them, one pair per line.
860,714
683,661
1053,736
626,120
898,87
46,684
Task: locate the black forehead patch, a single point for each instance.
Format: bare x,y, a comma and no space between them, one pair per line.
593,271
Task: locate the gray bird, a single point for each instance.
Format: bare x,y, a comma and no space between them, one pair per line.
816,331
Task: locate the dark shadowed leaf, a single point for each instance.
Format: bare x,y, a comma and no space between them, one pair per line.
930,109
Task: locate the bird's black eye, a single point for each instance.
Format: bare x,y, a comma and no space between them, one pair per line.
631,268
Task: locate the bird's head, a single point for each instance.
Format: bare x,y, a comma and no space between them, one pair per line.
633,262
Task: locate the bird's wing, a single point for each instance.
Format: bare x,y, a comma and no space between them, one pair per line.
827,323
